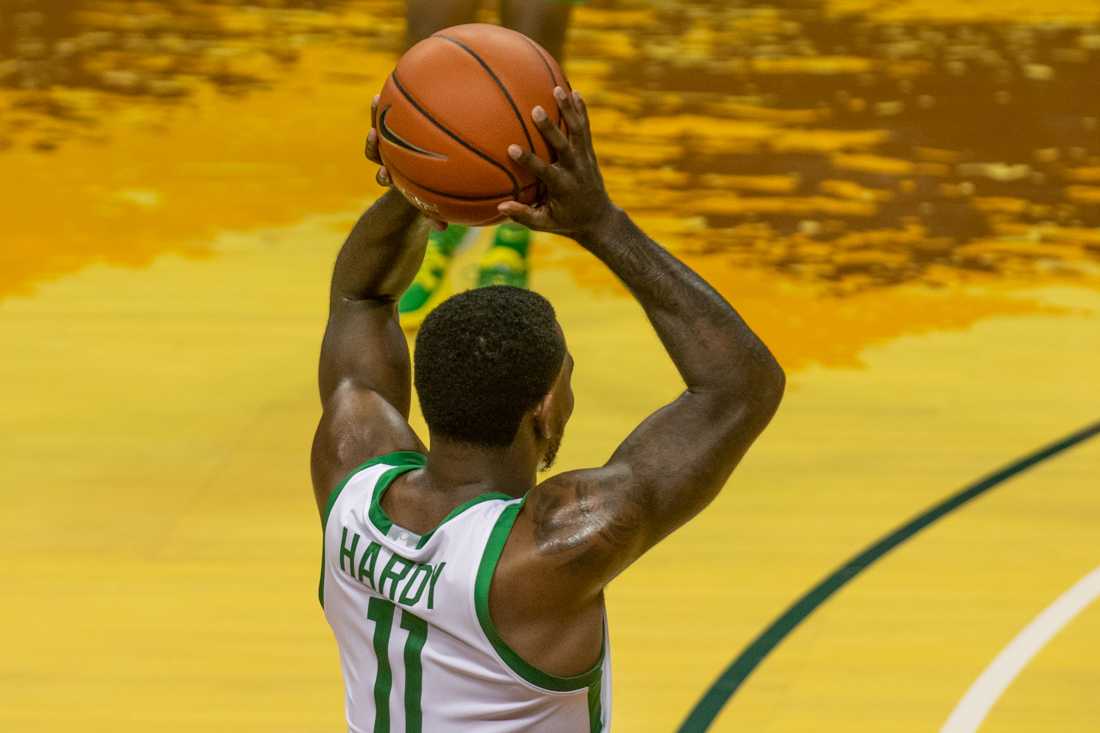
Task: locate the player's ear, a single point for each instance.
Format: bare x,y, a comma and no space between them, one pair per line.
542,416
551,414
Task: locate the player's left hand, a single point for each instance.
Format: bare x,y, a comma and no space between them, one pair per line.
383,175
577,203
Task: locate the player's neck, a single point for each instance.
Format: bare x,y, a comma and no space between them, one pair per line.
475,470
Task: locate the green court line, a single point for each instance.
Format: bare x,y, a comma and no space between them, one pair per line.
708,707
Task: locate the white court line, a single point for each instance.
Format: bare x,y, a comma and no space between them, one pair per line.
991,683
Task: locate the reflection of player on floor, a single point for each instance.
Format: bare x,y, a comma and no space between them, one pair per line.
464,594
505,262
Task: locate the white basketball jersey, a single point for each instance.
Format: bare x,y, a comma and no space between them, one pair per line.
410,612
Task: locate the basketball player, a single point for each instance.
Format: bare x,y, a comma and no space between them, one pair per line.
465,596
505,261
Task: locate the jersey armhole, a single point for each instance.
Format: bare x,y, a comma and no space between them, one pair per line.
528,672
397,458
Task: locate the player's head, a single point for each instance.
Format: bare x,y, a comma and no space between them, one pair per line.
490,363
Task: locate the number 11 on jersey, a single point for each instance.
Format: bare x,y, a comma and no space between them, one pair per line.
381,611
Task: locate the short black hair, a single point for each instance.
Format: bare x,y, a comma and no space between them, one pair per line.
483,358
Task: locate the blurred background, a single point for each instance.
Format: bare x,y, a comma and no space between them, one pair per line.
901,196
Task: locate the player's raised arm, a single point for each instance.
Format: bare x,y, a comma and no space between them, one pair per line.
593,523
364,373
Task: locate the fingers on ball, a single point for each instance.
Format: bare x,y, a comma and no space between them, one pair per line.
515,211
534,164
524,214
551,133
371,148
570,112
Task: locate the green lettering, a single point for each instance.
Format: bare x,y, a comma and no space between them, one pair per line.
367,569
407,598
414,670
394,576
431,588
347,552
381,613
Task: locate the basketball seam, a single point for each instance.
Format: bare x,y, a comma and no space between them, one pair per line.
549,70
503,89
394,139
545,63
542,54
458,197
453,136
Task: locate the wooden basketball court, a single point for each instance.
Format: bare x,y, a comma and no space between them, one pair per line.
162,297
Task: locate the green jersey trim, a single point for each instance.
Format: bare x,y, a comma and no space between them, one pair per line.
595,707
490,496
384,524
493,549
397,457
377,516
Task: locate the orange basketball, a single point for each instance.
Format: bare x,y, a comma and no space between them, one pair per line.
451,108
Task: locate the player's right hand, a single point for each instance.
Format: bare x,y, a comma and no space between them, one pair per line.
383,176
577,203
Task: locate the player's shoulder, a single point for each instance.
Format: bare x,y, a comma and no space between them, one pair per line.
550,578
573,520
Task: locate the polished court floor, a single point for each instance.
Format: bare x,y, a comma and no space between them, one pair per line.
917,240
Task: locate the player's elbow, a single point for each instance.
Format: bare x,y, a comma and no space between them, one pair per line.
757,397
766,394
758,392
773,384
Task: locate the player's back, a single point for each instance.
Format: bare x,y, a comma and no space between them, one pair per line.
418,648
